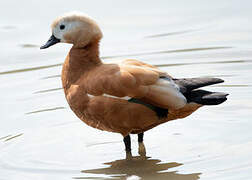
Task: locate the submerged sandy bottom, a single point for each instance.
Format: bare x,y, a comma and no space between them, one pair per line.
40,138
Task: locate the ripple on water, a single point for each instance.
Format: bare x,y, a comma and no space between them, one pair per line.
4,137
167,51
29,69
47,90
29,45
10,137
8,27
53,76
170,33
209,62
45,110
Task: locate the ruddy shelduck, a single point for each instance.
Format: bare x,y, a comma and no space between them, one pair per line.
129,97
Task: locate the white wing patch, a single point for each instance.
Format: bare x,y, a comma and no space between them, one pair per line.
107,95
125,97
166,93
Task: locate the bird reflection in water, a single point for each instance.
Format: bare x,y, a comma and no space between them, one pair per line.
145,169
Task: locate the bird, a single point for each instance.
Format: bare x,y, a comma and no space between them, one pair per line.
128,97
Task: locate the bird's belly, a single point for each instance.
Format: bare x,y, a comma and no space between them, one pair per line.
116,115
124,117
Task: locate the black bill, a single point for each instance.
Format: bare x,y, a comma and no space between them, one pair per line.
53,40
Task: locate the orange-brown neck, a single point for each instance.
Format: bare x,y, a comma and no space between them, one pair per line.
78,62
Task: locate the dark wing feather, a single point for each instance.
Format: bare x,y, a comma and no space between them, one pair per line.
189,84
189,87
206,97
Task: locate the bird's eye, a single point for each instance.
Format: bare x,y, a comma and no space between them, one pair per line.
62,27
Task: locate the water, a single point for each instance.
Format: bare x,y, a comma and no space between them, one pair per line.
40,138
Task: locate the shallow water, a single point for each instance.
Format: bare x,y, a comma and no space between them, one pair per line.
40,138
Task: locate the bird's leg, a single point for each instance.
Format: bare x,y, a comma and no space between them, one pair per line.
141,147
127,143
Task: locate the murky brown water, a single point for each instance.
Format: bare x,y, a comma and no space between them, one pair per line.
40,138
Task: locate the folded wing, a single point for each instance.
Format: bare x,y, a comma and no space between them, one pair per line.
135,79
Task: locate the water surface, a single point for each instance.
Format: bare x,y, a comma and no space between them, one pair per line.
40,138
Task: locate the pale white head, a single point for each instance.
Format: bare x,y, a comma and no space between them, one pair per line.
74,28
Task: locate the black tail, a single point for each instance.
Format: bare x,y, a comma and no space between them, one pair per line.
206,97
189,87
